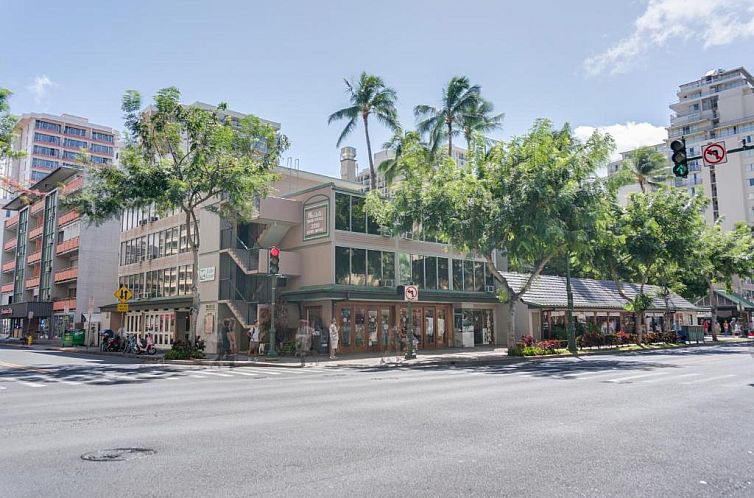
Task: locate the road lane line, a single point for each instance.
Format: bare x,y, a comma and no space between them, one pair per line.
621,379
675,377
198,376
250,374
708,379
206,372
264,370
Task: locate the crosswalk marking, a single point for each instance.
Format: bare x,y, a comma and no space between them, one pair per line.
207,372
250,374
632,377
708,379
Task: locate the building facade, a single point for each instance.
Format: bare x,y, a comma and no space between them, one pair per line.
56,271
51,142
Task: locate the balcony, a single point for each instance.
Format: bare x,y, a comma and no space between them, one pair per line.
68,217
9,266
11,222
10,245
67,275
62,304
36,232
74,185
37,207
7,288
69,245
34,257
32,282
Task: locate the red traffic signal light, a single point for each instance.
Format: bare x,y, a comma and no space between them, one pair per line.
274,260
274,252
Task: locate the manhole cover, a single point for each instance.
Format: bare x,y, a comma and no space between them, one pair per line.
117,454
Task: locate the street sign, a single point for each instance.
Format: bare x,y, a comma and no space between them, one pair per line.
714,153
123,294
122,307
411,293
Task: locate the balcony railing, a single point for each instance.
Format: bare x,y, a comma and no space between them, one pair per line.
62,304
7,288
10,245
36,232
11,222
32,282
68,245
73,185
67,274
37,207
34,257
9,266
69,217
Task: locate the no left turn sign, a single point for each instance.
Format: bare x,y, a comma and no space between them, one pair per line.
411,293
714,153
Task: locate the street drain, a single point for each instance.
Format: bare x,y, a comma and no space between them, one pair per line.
117,454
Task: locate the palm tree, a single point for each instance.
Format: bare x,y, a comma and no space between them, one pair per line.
458,98
393,168
479,119
646,166
367,96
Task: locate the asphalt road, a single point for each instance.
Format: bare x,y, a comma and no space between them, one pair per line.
678,423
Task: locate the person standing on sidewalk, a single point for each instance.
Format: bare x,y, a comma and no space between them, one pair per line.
333,338
224,342
725,327
254,339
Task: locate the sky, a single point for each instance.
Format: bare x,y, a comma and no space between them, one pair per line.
614,65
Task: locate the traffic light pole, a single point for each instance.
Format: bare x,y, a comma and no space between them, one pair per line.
272,352
410,354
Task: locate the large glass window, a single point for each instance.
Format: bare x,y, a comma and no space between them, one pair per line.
76,144
430,272
342,211
442,273
101,149
417,269
358,266
104,137
468,275
388,266
46,125
50,139
70,130
374,268
457,274
478,276
404,266
45,151
342,265
358,214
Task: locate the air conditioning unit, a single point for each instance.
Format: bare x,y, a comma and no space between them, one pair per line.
387,283
489,288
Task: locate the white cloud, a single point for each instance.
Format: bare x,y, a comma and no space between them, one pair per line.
627,136
40,88
713,22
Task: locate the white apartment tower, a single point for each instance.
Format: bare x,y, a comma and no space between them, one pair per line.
719,107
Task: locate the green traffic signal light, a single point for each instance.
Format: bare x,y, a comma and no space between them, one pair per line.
679,158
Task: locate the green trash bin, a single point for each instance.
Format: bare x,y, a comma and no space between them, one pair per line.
79,338
67,339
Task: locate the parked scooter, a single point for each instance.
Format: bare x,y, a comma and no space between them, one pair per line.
148,348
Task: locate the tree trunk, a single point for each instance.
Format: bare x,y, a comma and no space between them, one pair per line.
713,310
641,186
372,172
450,139
569,314
511,323
640,327
192,236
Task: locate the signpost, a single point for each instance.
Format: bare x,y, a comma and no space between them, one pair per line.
410,295
123,295
714,154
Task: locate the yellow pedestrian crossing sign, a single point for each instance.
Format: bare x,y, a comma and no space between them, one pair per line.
123,294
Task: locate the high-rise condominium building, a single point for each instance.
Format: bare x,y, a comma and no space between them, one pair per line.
719,107
51,142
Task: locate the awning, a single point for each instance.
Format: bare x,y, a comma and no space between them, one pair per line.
153,303
39,309
359,293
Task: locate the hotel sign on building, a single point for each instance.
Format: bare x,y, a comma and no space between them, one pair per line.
315,218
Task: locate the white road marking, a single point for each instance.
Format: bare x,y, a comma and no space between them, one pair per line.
207,372
264,370
675,377
240,372
708,379
198,376
621,379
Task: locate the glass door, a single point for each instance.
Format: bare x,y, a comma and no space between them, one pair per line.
418,319
429,327
388,341
373,329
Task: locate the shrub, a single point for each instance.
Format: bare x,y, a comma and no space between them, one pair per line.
670,336
183,350
650,337
527,340
516,350
549,346
591,339
624,337
612,340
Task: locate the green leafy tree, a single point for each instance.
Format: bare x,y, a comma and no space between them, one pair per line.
647,167
642,241
519,197
459,98
368,96
185,158
480,119
717,257
393,168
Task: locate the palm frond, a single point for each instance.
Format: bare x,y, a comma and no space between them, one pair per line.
346,131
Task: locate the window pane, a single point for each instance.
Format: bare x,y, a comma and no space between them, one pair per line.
442,273
488,278
457,274
358,214
374,268
342,212
358,266
430,269
468,275
417,269
388,266
342,265
404,266
372,226
479,276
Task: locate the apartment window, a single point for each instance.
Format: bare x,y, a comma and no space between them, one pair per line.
102,137
70,130
43,163
73,156
46,125
45,151
102,149
50,139
74,144
38,175
100,160
751,182
471,276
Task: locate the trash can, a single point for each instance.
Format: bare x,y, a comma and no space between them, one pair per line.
67,339
321,341
79,338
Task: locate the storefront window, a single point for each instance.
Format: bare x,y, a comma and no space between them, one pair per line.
358,266
442,273
429,325
374,268
457,275
372,328
345,327
441,325
342,265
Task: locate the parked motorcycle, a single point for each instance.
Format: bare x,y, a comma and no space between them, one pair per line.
148,348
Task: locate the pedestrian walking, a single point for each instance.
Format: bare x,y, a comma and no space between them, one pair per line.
737,328
725,327
224,342
254,339
333,338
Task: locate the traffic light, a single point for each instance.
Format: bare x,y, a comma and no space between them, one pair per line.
274,260
679,157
